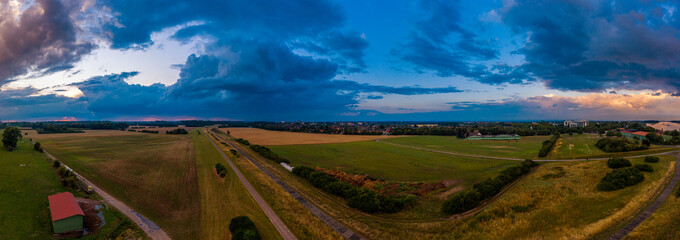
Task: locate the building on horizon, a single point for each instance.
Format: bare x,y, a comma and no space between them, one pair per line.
580,123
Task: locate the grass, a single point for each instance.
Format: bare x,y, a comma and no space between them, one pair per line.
526,148
662,224
224,198
154,174
583,146
391,162
24,209
300,221
266,137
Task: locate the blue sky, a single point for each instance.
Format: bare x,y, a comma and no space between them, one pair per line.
339,60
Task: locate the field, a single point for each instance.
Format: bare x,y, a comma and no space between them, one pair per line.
662,224
224,198
266,137
24,212
153,173
526,148
390,162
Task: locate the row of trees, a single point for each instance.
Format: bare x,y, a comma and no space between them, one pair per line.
360,198
177,131
548,145
267,153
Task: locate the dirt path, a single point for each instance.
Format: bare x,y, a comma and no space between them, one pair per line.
337,226
518,159
623,232
278,224
149,227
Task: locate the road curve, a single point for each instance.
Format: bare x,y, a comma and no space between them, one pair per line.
516,159
623,232
278,224
150,228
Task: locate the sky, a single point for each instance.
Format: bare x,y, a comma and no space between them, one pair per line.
349,60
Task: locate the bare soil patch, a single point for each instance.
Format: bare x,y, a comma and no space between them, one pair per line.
266,137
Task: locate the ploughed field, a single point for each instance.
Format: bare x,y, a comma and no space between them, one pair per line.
266,137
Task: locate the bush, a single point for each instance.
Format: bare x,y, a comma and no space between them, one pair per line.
37,147
267,153
619,144
177,131
242,141
56,164
366,201
615,163
233,152
644,167
302,171
548,145
462,202
320,179
148,131
620,178
651,159
242,227
221,170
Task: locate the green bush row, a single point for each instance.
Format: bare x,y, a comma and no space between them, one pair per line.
487,188
620,178
652,159
548,145
615,163
221,170
267,153
360,198
177,131
619,144
242,228
242,141
148,131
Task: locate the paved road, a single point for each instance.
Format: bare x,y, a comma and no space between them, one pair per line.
278,224
149,227
337,226
623,232
516,159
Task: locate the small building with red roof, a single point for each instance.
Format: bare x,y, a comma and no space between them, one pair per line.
66,213
639,135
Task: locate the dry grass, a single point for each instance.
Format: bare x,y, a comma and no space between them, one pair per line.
297,218
663,224
87,133
266,137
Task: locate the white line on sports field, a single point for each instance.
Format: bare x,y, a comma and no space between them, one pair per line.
283,230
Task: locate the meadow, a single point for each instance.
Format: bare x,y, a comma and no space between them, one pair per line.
266,137
24,209
153,173
583,146
662,224
526,148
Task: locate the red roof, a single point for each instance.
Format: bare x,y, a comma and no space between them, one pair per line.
639,133
64,205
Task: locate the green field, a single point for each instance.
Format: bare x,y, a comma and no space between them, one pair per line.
24,209
391,162
576,146
526,148
224,198
154,174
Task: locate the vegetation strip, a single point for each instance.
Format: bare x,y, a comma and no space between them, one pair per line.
518,159
337,226
283,230
154,232
623,232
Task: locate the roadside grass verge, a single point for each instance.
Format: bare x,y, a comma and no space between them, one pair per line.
155,174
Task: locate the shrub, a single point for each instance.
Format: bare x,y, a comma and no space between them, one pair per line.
242,141
233,152
548,145
620,178
177,131
267,153
489,187
37,147
302,171
462,202
148,131
320,179
615,163
619,144
221,170
651,159
366,201
644,167
242,227
56,164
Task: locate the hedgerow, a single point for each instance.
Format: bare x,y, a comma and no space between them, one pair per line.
242,141
615,163
620,178
548,145
267,153
651,159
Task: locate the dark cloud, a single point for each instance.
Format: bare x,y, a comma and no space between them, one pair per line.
42,37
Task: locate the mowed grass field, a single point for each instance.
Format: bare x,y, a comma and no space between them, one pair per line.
526,148
224,198
266,137
154,174
24,208
559,201
391,162
576,146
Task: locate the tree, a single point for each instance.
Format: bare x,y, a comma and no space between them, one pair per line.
10,137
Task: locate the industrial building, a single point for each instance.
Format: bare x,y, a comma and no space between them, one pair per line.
581,123
66,213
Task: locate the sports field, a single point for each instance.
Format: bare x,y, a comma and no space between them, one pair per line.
526,148
24,209
266,137
154,174
391,162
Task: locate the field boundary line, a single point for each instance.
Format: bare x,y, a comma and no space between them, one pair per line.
276,221
519,159
327,219
651,208
150,228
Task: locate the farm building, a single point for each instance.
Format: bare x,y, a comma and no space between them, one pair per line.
66,214
639,135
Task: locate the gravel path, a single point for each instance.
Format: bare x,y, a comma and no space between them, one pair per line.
337,226
149,227
623,232
278,224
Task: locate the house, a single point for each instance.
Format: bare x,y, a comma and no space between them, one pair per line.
581,123
66,213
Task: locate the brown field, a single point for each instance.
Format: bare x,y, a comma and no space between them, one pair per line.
266,137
